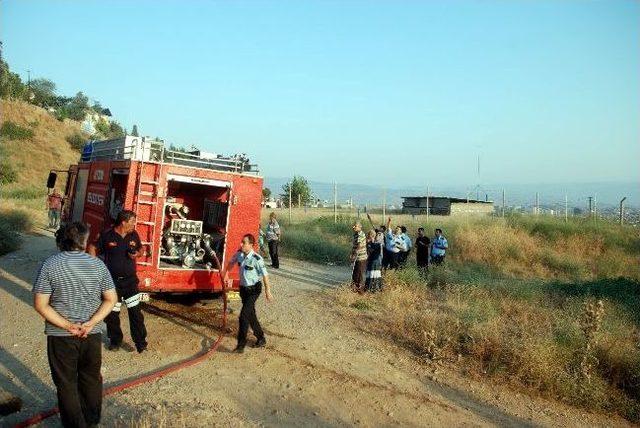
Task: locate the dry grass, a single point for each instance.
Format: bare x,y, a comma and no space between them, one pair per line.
531,340
47,149
34,157
517,302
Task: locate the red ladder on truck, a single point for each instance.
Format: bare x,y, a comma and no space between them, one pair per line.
146,218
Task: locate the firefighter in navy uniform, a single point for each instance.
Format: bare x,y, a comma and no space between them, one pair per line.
253,274
119,247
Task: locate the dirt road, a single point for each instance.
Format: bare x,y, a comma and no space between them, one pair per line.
318,369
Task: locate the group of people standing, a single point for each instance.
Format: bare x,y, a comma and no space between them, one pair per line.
387,248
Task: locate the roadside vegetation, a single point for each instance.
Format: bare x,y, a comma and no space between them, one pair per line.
544,306
12,222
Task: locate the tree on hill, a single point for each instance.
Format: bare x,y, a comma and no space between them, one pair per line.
43,92
134,131
11,85
299,189
76,109
266,193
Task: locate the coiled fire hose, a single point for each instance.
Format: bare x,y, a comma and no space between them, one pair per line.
199,357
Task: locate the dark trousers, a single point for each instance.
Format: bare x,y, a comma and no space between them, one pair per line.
127,290
248,316
359,274
385,258
437,260
422,260
273,253
392,260
403,256
75,369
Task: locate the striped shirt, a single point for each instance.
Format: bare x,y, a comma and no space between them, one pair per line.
359,249
75,281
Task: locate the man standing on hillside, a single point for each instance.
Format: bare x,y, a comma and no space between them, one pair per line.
54,205
273,240
404,255
438,248
74,292
120,246
395,245
422,250
359,258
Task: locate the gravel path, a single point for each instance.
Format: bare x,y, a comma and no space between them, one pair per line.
318,369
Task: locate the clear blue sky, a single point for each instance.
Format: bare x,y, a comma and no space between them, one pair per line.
373,92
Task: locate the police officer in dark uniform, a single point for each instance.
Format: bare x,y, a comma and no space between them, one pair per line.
119,247
253,274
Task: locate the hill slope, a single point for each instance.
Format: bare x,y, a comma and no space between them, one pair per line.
47,149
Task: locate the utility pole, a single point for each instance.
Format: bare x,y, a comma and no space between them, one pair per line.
384,206
622,210
504,202
290,186
428,197
537,203
566,208
590,206
335,202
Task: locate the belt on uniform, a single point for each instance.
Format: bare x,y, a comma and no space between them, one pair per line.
251,286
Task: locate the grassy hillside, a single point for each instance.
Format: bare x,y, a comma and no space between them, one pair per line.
548,307
32,143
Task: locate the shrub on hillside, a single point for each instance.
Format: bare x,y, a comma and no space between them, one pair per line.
23,193
17,220
13,131
76,141
9,239
8,173
11,223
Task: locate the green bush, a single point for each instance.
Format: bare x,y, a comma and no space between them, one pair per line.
17,220
10,240
13,131
23,193
76,141
8,173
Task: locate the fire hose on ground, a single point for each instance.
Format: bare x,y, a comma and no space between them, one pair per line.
201,356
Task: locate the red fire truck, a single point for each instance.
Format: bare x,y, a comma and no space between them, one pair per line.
192,208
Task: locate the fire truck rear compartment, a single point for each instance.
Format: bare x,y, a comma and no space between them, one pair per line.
194,226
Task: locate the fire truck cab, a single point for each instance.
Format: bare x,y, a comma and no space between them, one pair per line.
192,208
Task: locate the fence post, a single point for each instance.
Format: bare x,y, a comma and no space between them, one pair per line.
428,194
503,201
566,208
622,210
290,186
537,203
335,202
384,206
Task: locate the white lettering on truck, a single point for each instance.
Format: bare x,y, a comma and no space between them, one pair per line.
95,199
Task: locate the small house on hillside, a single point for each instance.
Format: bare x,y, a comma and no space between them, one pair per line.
445,205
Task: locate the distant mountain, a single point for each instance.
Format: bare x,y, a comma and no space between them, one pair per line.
551,195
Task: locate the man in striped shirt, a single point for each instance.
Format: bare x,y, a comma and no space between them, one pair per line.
359,258
74,292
